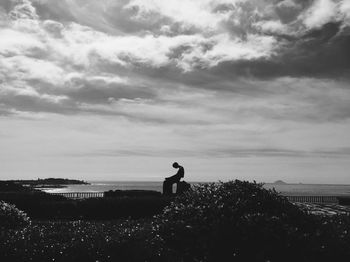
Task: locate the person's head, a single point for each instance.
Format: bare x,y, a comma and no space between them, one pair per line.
175,165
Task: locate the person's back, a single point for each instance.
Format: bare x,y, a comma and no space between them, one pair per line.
181,172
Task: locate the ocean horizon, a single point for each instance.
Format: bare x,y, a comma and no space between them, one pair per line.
284,189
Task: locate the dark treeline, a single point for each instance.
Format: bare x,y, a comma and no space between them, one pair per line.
49,181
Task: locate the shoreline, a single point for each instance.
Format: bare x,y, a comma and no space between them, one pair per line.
284,189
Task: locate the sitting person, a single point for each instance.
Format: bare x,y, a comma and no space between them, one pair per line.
169,181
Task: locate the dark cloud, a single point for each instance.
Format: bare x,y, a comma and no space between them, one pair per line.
125,19
279,152
109,17
54,10
306,52
28,103
321,53
98,92
223,153
288,11
7,5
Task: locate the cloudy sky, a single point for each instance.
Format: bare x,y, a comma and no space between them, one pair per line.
119,89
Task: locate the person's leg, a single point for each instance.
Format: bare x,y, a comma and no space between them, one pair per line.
164,187
168,184
173,179
167,187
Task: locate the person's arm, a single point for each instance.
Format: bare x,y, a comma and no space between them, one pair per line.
178,171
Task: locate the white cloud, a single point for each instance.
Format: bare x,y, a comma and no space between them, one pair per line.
26,68
20,89
320,13
148,50
344,7
77,45
190,12
58,53
224,48
18,43
54,28
272,26
23,9
108,79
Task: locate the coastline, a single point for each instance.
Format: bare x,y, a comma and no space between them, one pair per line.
284,189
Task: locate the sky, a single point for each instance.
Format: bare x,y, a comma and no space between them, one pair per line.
120,89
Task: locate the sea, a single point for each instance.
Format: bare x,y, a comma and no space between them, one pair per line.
284,189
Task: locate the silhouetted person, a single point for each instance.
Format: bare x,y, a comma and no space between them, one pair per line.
169,181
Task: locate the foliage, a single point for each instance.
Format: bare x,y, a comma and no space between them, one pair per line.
344,200
235,221
39,205
132,193
12,217
10,186
50,181
242,221
69,241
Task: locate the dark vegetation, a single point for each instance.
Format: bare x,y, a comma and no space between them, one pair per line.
10,186
344,200
235,221
47,182
132,193
117,204
41,206
11,217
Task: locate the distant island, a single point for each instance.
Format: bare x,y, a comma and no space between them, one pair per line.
49,182
280,182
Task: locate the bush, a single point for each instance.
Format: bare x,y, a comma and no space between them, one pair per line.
9,186
70,241
40,205
132,193
235,221
11,217
121,207
242,221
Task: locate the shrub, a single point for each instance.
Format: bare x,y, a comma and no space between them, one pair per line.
12,217
132,193
40,205
121,207
10,186
72,241
242,221
235,221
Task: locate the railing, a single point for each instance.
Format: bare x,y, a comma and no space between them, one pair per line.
313,199
292,198
80,195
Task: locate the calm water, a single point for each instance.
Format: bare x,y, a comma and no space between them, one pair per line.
287,189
